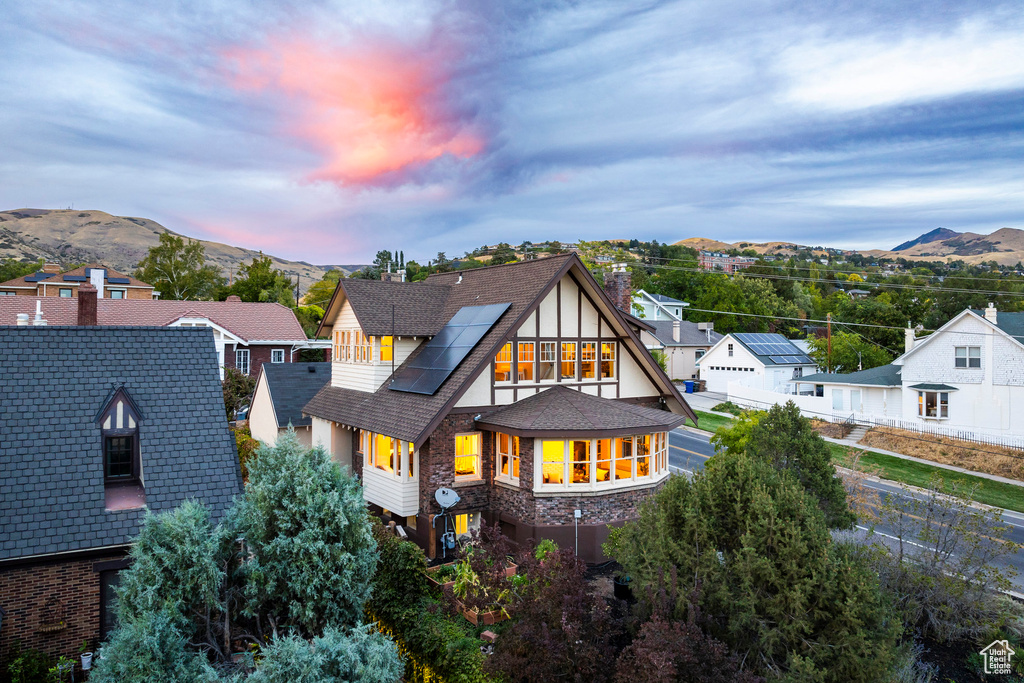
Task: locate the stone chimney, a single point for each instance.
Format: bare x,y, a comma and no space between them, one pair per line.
51,268
618,285
676,330
87,304
991,314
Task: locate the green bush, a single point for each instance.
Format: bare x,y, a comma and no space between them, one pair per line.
359,655
728,407
27,666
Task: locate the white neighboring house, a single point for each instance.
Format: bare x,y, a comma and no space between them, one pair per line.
875,391
653,307
682,343
281,392
762,361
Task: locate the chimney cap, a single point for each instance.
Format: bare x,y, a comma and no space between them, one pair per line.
233,297
86,287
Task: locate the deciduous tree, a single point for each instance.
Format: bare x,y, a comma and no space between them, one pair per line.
178,269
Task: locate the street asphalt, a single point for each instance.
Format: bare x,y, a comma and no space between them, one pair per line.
689,450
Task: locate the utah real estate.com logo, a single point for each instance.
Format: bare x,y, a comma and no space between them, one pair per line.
997,657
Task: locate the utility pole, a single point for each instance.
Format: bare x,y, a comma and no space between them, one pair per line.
298,279
828,320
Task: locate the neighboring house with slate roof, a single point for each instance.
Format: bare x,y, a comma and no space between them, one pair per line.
50,281
653,307
683,344
246,334
964,380
761,361
521,386
98,425
281,393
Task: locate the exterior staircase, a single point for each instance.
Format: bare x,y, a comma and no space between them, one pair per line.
857,433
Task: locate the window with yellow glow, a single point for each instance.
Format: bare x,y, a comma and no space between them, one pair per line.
580,462
385,453
410,460
387,345
608,360
624,458
466,524
526,361
604,460
588,360
467,456
508,456
548,358
553,465
643,452
568,360
503,364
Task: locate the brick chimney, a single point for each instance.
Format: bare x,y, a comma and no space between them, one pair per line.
618,285
51,268
234,297
86,304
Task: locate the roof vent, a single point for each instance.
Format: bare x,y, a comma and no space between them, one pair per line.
311,368
23,318
39,320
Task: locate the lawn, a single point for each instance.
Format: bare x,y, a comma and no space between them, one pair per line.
909,472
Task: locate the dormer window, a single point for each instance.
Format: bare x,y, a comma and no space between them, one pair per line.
122,466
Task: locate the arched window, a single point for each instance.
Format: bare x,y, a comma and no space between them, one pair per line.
119,420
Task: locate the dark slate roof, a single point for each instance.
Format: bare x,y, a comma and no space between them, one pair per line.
54,381
291,386
1010,323
932,387
665,299
567,412
689,335
418,306
411,417
882,376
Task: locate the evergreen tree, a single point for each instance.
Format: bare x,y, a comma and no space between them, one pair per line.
358,655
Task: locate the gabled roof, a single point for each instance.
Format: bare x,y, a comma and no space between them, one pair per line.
411,417
661,301
564,412
70,278
772,348
882,376
53,383
689,335
249,321
1010,323
417,306
291,386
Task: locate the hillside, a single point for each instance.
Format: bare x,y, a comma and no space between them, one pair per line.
1004,246
66,236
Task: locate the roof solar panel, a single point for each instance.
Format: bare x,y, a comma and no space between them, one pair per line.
119,281
75,278
447,349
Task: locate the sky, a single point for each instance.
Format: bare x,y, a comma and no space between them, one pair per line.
325,131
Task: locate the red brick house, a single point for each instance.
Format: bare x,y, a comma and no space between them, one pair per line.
521,386
247,335
50,281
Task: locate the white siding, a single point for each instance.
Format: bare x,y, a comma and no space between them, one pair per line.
262,418
400,497
366,376
479,392
548,316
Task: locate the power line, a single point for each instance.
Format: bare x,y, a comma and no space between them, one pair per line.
802,320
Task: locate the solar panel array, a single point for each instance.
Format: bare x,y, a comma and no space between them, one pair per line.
449,347
119,280
75,278
780,350
39,276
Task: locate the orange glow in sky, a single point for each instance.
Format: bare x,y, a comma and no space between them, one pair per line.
371,111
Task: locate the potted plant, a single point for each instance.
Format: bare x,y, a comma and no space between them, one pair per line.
86,655
621,587
442,576
482,600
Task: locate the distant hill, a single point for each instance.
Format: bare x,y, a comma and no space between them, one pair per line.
936,235
66,236
1004,246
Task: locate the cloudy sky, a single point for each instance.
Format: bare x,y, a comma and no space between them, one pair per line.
323,131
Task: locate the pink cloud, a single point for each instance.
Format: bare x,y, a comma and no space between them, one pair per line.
375,111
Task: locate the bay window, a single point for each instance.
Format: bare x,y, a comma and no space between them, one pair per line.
526,359
580,462
384,455
508,457
503,364
600,463
933,404
553,465
468,456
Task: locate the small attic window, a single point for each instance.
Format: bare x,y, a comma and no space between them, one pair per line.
122,465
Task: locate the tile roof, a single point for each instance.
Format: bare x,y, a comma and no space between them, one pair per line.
411,417
417,312
566,412
689,335
54,381
292,385
882,376
252,322
58,278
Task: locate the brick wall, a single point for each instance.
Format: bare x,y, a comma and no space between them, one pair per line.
137,294
619,287
437,467
258,355
605,509
25,591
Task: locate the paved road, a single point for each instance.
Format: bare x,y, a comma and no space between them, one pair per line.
688,451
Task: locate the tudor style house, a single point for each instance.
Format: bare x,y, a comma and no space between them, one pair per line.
97,426
50,281
246,334
520,386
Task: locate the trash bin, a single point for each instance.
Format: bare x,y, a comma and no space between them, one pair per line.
689,387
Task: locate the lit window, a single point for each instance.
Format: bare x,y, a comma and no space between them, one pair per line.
967,356
604,458
608,360
581,462
588,360
643,452
467,456
242,361
553,466
466,524
385,453
387,349
410,461
277,355
65,292
624,458
548,358
508,457
503,364
933,404
526,360
337,344
568,360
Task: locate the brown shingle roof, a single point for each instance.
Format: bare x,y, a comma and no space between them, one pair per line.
58,278
418,306
252,322
566,412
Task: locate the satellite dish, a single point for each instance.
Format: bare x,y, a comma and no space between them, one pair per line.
446,498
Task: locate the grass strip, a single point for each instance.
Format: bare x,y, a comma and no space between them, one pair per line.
709,421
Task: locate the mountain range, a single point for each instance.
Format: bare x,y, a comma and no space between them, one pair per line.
69,236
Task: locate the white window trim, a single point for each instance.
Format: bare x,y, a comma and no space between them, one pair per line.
922,406
967,357
479,457
124,293
274,354
367,446
498,453
248,360
659,468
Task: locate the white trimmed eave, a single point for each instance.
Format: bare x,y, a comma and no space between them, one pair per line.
966,312
206,322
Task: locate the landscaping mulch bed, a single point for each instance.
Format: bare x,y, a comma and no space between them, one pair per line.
830,429
980,457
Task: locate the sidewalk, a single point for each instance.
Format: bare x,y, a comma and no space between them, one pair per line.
704,400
